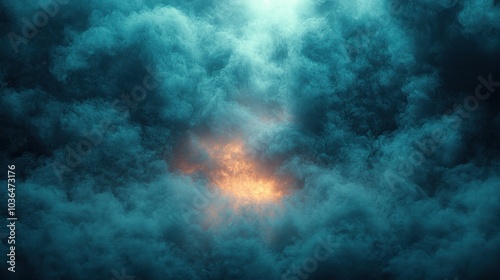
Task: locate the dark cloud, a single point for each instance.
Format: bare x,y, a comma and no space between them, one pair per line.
382,115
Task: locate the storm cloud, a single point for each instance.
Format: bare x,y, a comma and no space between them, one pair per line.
380,119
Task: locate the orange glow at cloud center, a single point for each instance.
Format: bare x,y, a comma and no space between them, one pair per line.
238,175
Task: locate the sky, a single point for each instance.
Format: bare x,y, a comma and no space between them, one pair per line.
264,139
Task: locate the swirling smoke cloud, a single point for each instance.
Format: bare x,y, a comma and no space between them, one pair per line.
385,113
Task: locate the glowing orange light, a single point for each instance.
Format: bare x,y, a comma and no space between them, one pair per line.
237,173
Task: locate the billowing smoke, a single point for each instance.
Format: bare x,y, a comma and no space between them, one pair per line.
137,128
